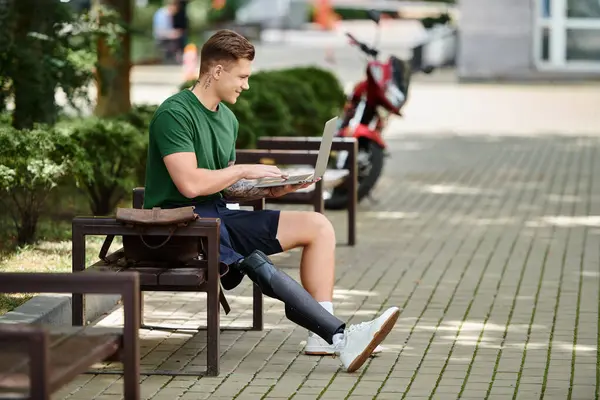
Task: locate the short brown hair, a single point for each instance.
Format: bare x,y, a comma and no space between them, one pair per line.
225,46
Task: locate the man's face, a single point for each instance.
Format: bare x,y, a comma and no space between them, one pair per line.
232,81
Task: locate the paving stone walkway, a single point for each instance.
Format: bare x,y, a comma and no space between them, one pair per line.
490,245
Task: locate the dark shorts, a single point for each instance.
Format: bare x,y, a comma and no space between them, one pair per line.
243,231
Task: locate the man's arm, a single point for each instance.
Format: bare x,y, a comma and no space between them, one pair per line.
172,135
192,181
243,190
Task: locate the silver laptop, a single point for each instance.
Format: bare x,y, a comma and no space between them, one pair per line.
320,168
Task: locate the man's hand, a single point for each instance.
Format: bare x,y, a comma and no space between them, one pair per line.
257,171
244,190
278,191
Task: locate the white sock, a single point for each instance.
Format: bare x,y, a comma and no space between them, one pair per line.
328,305
337,338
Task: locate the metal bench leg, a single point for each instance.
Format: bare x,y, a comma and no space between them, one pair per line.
141,308
131,349
213,318
319,203
257,308
78,264
39,367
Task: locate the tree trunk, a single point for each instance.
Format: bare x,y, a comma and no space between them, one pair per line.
6,39
114,66
34,88
27,228
106,202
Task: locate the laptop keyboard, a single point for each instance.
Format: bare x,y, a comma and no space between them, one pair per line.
295,178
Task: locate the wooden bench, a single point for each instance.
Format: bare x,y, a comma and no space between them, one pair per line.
312,195
197,276
37,360
304,151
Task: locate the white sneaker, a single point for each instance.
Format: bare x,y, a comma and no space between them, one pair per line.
317,346
360,340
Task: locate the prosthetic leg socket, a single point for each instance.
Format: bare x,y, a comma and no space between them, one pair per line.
300,307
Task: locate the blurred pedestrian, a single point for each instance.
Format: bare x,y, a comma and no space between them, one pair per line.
181,24
165,35
326,18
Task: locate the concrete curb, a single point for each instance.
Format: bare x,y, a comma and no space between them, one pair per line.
55,309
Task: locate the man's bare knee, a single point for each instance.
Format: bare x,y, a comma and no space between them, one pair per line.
323,229
303,228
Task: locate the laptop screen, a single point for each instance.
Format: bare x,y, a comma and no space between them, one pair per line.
325,149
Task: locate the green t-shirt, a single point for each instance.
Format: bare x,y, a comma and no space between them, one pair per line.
183,124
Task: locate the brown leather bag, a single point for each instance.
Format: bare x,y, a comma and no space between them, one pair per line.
157,215
169,249
157,249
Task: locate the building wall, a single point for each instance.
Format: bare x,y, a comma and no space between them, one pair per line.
495,39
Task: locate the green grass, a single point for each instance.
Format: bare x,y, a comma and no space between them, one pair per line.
52,250
44,256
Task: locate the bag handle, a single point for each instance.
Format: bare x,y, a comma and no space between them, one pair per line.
109,239
171,231
105,247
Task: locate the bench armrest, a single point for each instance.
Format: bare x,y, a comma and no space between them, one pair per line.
303,143
37,342
126,284
276,156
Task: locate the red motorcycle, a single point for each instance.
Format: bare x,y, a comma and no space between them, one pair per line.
366,112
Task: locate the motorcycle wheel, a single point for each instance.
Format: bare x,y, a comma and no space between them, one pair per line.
370,166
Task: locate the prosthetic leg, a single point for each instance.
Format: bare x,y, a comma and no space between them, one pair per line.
300,306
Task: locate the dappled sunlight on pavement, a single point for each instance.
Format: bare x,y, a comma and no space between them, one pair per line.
490,248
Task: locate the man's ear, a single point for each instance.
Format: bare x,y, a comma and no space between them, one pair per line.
218,71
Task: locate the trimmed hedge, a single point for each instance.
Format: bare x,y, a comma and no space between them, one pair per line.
290,102
327,90
286,102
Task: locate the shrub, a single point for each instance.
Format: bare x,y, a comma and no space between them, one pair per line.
326,87
225,14
140,116
187,84
111,149
5,118
248,125
271,114
298,97
32,162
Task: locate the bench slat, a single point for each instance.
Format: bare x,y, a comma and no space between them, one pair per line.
182,277
161,276
72,350
148,276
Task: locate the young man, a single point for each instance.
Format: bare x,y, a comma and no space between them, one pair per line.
191,162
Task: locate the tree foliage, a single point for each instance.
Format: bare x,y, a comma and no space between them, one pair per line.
49,49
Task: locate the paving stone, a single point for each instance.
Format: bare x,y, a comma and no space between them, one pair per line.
476,238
